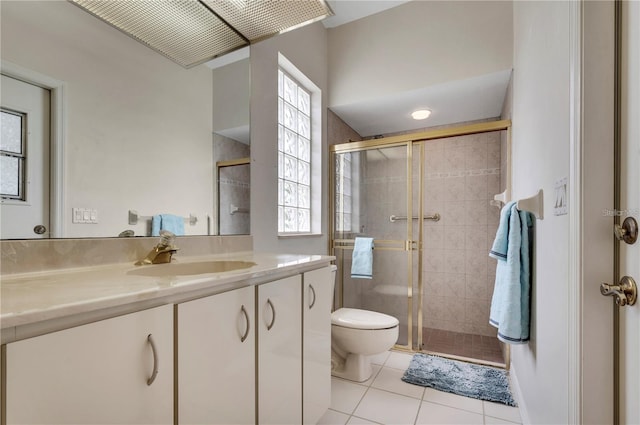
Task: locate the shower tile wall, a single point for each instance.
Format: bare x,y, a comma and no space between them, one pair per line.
234,186
462,175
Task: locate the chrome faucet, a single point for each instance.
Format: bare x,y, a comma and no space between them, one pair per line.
162,252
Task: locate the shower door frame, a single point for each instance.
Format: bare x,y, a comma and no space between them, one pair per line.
411,141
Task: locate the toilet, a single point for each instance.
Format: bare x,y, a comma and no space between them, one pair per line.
355,336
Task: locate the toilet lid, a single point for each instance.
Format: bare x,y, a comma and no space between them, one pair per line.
362,319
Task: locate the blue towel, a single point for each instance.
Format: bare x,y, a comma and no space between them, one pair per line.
510,305
362,259
170,222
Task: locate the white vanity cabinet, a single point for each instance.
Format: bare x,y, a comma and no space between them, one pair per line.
216,359
279,323
94,374
217,353
316,368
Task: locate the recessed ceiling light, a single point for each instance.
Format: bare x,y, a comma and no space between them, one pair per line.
421,114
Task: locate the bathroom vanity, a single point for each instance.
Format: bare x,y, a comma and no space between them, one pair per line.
138,345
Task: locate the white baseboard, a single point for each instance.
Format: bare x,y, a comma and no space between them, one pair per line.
517,394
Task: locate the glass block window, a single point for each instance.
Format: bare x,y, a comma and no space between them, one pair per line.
294,156
344,199
12,154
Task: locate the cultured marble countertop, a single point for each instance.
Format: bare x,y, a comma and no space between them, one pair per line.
37,303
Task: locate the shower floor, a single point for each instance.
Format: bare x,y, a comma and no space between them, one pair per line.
479,347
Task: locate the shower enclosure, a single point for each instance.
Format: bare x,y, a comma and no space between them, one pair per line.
426,199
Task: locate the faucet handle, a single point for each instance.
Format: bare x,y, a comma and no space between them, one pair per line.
166,238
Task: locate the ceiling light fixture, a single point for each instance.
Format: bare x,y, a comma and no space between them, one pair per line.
420,114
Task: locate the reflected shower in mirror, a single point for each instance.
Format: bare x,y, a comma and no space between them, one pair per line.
233,196
231,147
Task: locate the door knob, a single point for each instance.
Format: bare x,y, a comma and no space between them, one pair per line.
39,229
626,292
628,232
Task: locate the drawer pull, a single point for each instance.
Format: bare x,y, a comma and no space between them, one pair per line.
273,318
313,291
155,360
246,317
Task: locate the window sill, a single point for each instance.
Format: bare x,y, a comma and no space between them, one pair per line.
298,235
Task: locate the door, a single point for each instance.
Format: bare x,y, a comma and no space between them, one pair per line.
371,190
216,359
24,181
279,327
630,207
316,353
115,371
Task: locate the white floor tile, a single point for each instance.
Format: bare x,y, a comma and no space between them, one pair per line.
453,400
431,413
387,408
488,420
345,395
380,358
331,417
501,411
390,380
398,360
360,421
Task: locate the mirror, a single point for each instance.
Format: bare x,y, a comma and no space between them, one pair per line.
231,147
142,134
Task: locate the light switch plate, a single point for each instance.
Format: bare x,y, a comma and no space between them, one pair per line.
561,201
84,216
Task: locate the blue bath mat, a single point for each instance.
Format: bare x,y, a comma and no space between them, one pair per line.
466,379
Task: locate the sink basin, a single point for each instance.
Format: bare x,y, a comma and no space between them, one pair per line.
187,269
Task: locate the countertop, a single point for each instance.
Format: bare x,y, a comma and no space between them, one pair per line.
37,303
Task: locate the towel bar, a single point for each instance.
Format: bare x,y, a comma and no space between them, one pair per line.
434,217
134,217
233,209
533,204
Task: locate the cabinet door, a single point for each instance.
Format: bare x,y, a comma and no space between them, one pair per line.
216,359
94,374
316,354
279,323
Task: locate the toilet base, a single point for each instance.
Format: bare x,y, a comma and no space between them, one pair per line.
355,367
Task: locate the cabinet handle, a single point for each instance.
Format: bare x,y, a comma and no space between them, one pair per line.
155,360
273,318
246,317
313,291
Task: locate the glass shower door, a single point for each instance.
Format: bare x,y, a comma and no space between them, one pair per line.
371,188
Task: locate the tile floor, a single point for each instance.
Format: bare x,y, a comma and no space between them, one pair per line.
385,399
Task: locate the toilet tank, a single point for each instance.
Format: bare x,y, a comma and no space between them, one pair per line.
334,270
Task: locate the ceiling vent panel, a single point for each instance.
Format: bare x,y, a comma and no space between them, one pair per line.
259,19
185,31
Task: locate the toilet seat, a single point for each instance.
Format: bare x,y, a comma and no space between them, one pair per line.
354,318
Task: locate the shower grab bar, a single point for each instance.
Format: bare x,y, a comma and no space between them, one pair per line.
434,217
379,244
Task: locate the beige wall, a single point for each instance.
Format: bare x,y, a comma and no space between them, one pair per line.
306,48
416,45
138,125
